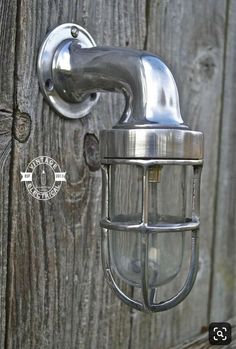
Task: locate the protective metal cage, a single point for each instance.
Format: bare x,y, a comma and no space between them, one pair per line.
145,229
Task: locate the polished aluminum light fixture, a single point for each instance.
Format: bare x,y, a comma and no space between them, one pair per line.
151,160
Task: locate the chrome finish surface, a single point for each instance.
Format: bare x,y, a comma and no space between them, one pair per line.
197,170
152,162
106,264
145,241
182,294
65,33
148,302
153,143
160,228
144,270
146,82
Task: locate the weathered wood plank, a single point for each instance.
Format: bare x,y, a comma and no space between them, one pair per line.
223,295
5,149
59,296
190,37
202,342
7,57
7,60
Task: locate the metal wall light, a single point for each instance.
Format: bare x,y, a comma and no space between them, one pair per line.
151,161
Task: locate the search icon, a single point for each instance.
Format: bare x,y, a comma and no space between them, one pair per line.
219,333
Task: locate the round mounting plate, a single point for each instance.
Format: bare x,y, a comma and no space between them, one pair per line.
45,59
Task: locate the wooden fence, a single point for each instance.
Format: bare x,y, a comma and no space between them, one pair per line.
52,290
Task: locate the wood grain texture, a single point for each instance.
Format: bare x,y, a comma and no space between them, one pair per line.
5,149
190,36
7,57
202,341
58,297
223,293
7,60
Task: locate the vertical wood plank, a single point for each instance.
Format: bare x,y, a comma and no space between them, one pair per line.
7,57
5,149
223,291
58,296
190,37
7,60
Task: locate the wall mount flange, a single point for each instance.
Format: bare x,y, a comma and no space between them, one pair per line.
67,31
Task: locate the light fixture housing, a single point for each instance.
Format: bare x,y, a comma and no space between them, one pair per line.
147,155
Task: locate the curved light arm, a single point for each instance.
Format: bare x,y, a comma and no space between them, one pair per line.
146,82
72,71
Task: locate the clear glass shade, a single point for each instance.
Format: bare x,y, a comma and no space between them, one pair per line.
169,202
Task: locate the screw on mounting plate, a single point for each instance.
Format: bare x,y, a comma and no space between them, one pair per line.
74,32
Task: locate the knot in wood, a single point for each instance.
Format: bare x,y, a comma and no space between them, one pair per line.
22,126
91,152
206,66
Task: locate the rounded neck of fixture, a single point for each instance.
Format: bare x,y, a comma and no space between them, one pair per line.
151,96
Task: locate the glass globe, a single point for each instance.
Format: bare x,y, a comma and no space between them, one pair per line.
168,200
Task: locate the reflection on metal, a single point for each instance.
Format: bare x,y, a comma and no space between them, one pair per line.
61,35
150,134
